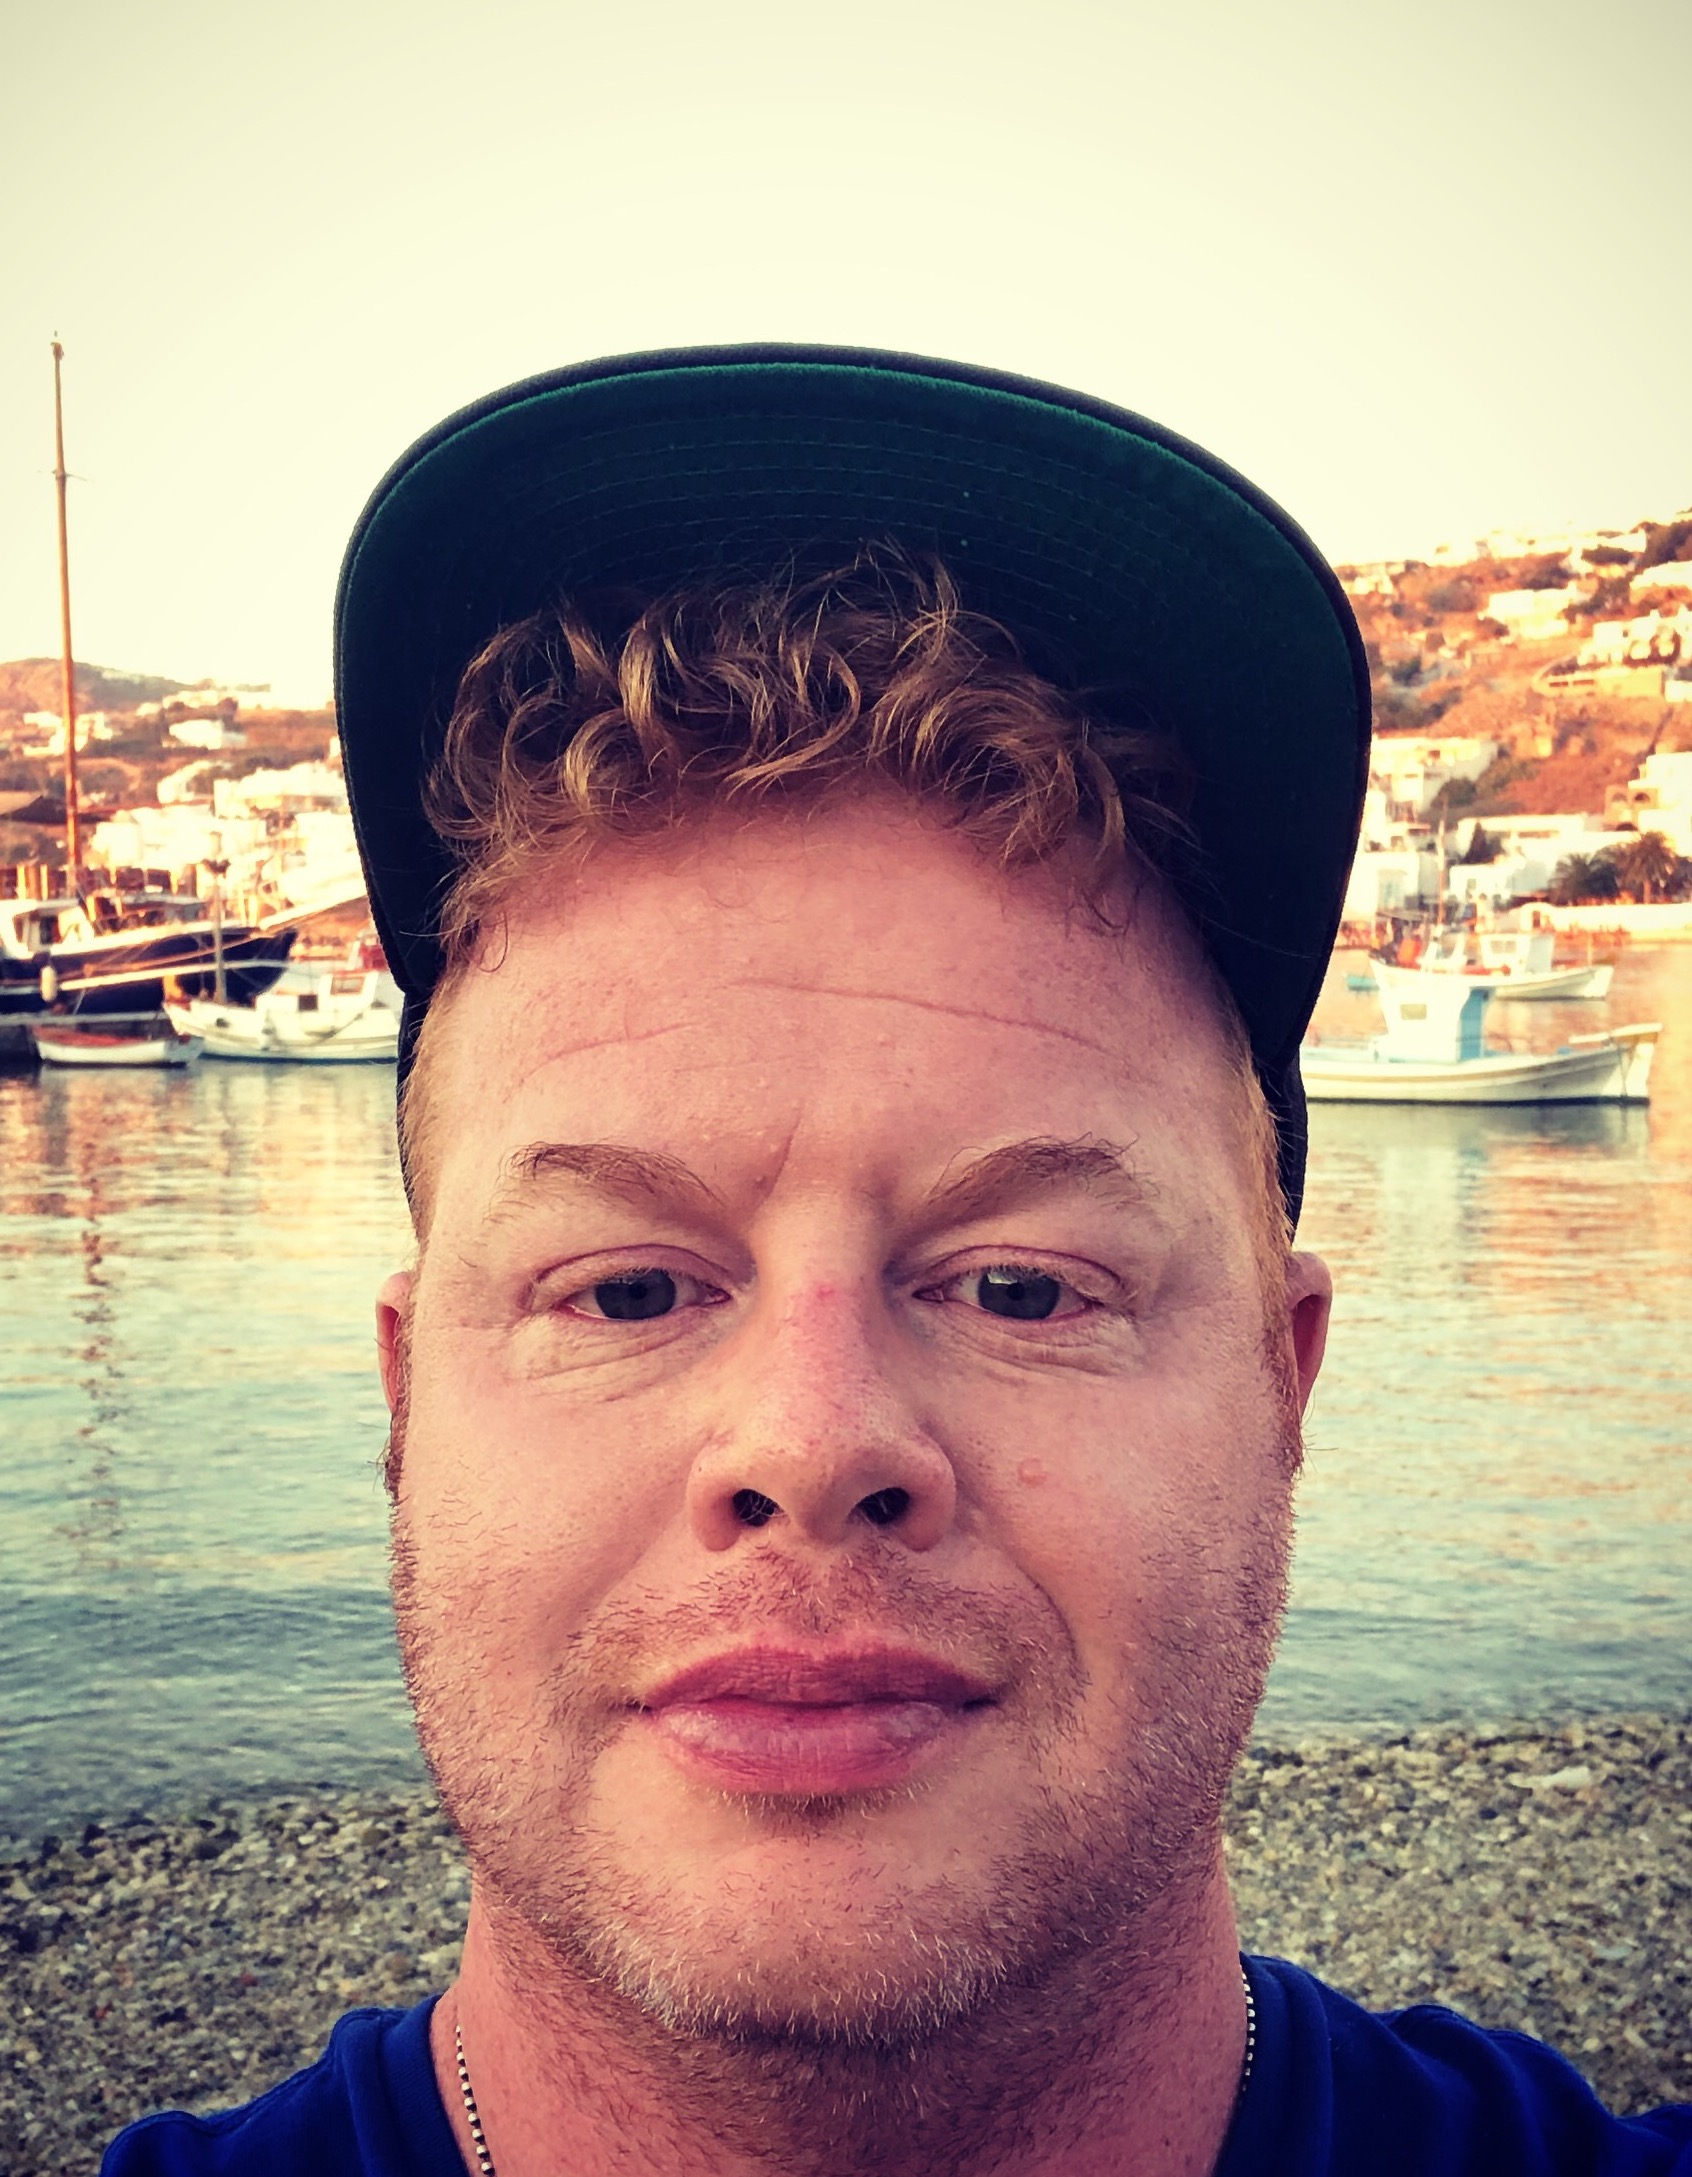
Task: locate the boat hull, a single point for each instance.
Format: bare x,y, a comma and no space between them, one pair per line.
1573,982
290,1027
62,1043
128,972
1593,982
1612,1069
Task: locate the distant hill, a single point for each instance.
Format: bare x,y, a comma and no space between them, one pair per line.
1440,664
32,684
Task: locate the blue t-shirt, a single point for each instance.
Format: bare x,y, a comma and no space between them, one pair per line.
1335,2091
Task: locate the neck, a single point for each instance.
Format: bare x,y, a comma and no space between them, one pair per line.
1125,2057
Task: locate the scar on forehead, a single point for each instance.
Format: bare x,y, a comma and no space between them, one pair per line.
922,1005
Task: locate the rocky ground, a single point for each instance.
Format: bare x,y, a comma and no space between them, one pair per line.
1537,1879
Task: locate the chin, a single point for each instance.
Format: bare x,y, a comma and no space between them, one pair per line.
799,1966
824,1923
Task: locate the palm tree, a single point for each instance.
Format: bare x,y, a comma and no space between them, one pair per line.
1647,863
1579,877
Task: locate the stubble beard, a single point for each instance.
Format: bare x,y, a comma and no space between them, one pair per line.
924,2042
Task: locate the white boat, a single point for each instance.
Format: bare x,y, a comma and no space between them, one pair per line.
97,1042
322,1016
1510,963
1433,1052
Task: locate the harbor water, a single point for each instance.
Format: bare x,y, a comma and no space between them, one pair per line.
1496,1517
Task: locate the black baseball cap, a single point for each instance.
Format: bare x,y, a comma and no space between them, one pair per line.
1132,566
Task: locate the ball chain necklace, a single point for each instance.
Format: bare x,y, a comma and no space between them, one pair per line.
473,2116
479,2138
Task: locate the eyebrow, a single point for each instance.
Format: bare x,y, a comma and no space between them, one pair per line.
998,1180
1026,1171
613,1168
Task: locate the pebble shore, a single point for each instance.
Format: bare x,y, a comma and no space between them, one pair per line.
1533,1878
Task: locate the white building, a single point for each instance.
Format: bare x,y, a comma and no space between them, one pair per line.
315,857
286,834
1672,579
1533,616
177,838
90,726
300,787
1529,849
207,733
1404,877
189,782
1406,772
1660,794
1651,638
1391,881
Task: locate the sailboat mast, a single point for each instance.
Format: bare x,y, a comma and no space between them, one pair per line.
67,704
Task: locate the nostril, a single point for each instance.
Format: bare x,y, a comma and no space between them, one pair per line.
752,1508
886,1507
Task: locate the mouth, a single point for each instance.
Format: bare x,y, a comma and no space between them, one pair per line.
814,1722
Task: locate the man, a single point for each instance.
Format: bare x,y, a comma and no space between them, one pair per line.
861,839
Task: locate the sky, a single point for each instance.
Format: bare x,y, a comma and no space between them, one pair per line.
1419,271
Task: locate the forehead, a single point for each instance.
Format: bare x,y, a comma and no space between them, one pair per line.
860,980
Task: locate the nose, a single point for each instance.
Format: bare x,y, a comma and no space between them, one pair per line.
818,1439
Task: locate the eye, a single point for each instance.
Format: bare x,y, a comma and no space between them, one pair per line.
1016,1291
639,1296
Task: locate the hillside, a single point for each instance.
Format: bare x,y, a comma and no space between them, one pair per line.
1572,727
32,684
122,761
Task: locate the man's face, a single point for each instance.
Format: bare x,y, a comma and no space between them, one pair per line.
844,1494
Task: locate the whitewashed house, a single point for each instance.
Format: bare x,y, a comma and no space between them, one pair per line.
1533,616
1660,796
1671,580
287,792
1407,771
214,733
1650,638
1391,881
188,782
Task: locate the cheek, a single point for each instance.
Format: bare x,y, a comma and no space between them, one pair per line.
1137,1505
522,1508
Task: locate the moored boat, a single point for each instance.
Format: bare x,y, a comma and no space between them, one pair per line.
112,1042
1508,962
114,953
321,1016
1433,1052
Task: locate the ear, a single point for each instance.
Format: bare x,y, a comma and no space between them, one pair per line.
393,1313
1310,1300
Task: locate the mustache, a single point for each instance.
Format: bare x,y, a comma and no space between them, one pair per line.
1010,1637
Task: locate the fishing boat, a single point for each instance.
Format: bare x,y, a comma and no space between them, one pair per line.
114,1043
1509,962
326,1016
1433,1051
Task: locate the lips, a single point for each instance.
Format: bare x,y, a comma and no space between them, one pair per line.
812,1722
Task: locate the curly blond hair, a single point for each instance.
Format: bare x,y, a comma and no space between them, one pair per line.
604,719
563,733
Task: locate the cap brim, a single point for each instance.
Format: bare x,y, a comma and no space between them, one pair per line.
1131,565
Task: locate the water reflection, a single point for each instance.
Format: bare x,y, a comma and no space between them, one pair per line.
1495,1514
94,1527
